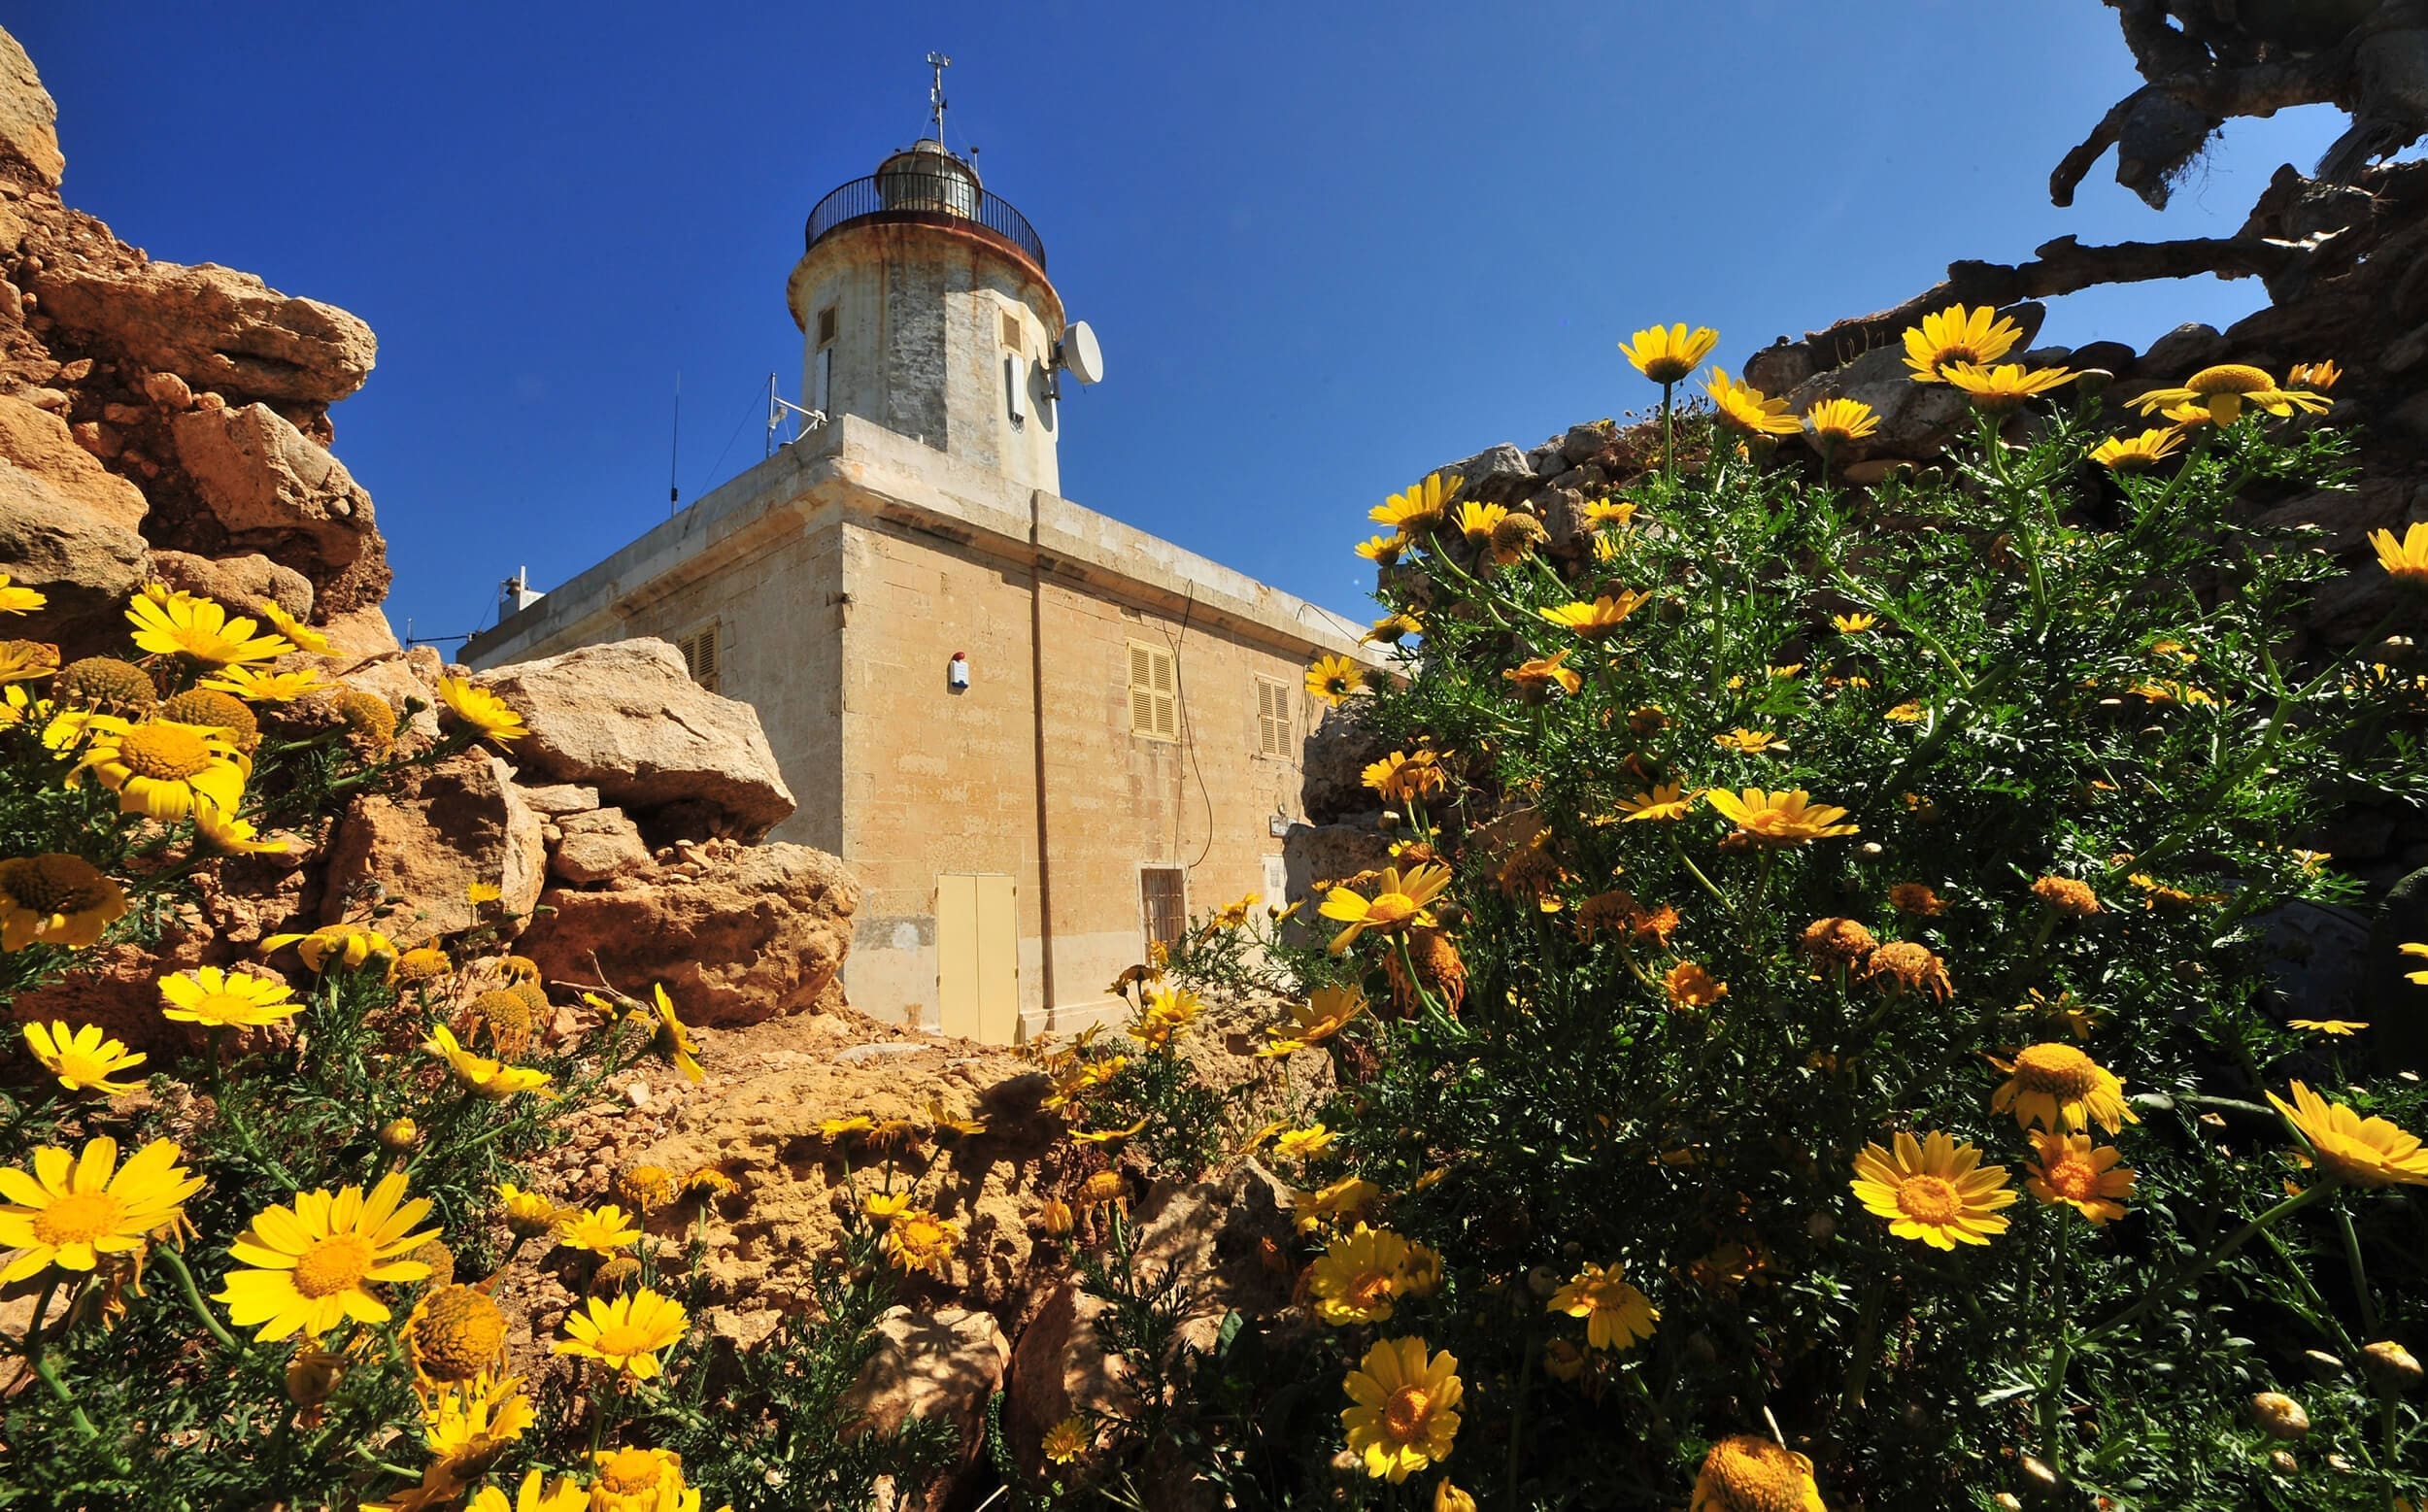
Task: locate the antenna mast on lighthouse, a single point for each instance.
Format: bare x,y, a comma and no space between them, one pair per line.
935,93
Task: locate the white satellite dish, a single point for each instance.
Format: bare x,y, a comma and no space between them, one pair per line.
1079,353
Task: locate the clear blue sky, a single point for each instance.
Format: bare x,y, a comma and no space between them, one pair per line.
1326,246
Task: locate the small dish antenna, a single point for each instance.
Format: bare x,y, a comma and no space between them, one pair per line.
1078,354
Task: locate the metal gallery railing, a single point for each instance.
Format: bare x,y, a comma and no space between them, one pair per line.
922,195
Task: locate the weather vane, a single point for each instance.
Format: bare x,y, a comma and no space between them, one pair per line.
935,92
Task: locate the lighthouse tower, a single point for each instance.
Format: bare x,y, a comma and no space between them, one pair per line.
924,308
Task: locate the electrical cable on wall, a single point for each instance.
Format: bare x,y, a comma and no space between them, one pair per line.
1189,740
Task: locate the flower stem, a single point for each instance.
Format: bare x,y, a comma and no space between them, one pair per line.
2060,1353
192,1294
2352,1257
2210,1261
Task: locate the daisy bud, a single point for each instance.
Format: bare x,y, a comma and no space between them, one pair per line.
2283,1463
1054,1218
400,1134
2322,1364
2279,1416
2390,1368
2039,1473
313,1377
2009,1501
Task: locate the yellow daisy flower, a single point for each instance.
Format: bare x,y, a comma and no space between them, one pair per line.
310,1268
1616,1315
674,1036
920,1240
23,661
1302,1144
2361,1151
224,832
1404,1412
2320,376
1935,1191
495,1080
561,1495
1383,550
625,1333
178,625
483,713
1333,679
15,600
1958,335
1610,511
162,768
1664,802
304,636
1391,630
1744,1473
2073,1171
55,899
604,1230
1690,986
1747,409
1065,1441
1750,742
1344,1200
2341,1027
1399,776
2004,389
1420,508
81,1057
2222,390
1666,354
1398,902
1854,623
1603,616
1325,1012
256,684
1779,818
1535,678
2406,561
226,1000
1357,1276
1834,421
2059,1087
527,1214
350,947
2138,454
1477,521
69,1212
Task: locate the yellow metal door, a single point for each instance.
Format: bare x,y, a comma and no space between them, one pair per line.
977,958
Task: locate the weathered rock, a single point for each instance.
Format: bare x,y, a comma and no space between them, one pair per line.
628,719
360,631
738,935
1583,441
1314,853
1496,475
241,583
87,563
763,1131
41,443
2108,356
214,327
1339,749
421,850
598,846
30,136
555,799
1210,1235
268,486
2183,351
945,1365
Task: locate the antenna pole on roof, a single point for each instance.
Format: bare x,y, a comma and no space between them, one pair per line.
674,446
935,93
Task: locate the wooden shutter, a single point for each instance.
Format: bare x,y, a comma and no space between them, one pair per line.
1163,902
1273,717
699,655
1154,692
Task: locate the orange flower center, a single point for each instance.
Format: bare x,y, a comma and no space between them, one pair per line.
2059,1070
2232,377
1369,1288
164,753
334,1265
630,1472
53,885
458,1332
78,1218
1930,1200
1389,911
1756,1475
2071,1179
1405,1413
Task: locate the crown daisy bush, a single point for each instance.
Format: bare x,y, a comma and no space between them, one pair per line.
260,1212
1881,1091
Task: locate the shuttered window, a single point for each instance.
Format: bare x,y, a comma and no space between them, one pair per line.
1154,692
1273,717
1163,899
699,655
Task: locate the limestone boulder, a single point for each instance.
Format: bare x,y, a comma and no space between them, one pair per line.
87,563
1332,766
1219,1239
362,631
597,845
1496,475
940,1364
628,719
557,799
739,934
795,1185
420,849
220,330
39,442
1317,854
242,582
267,486
29,120
1916,419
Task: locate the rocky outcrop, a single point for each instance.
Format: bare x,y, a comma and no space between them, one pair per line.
85,563
219,331
946,1363
628,719
267,487
736,933
29,137
419,851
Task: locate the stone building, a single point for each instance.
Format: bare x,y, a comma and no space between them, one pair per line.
1041,738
